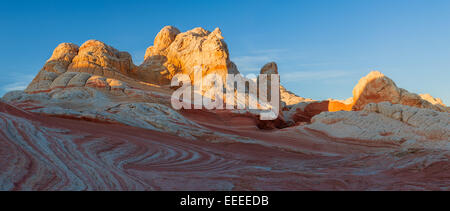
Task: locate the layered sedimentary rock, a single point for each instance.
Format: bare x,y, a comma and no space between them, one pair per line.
57,64
116,104
73,66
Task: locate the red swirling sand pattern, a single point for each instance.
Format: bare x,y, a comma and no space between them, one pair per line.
39,152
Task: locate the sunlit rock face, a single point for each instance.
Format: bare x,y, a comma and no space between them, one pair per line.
376,87
182,52
432,100
173,52
53,153
98,58
55,66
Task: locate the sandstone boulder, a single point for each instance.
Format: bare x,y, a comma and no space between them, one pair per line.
270,68
376,87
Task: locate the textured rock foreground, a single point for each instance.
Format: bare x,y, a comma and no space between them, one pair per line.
51,153
93,120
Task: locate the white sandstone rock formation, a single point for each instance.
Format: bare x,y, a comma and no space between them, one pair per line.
385,122
181,52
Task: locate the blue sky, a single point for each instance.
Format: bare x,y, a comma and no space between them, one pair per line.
322,47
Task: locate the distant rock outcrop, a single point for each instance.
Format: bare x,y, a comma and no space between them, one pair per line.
385,122
287,98
72,66
376,87
172,53
432,100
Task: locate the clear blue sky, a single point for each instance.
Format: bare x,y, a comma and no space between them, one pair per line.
322,47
